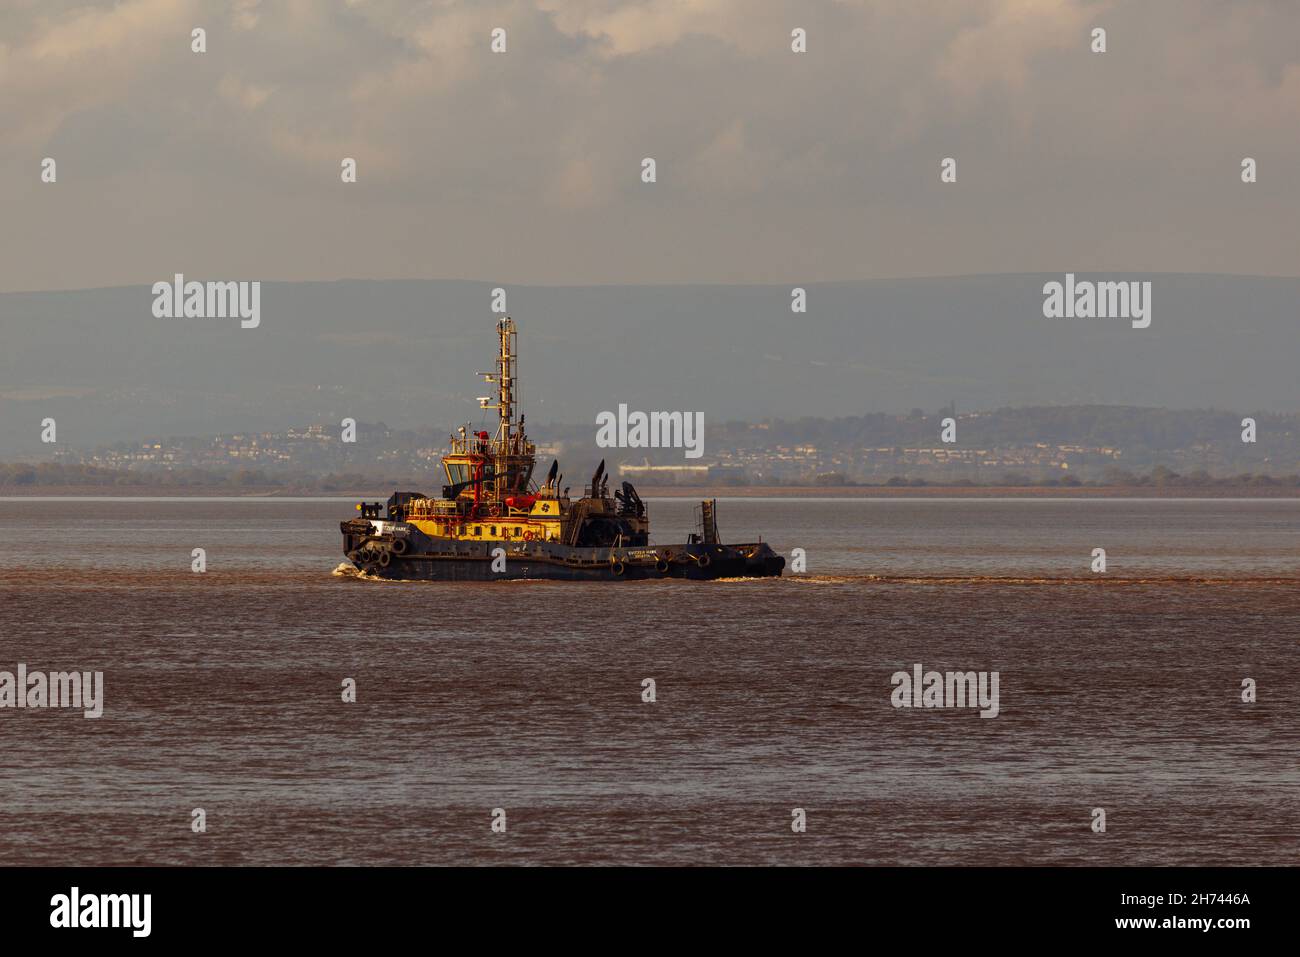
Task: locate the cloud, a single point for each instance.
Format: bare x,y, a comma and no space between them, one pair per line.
246,14
80,58
525,165
246,95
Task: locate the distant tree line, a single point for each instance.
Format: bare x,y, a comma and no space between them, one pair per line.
1158,477
1113,426
54,475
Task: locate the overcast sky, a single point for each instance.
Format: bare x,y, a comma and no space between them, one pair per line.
525,166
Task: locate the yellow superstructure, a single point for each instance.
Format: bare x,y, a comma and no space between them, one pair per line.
487,496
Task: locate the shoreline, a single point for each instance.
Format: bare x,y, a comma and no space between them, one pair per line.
698,492
968,491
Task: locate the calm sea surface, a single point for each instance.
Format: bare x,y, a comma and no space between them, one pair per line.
1119,691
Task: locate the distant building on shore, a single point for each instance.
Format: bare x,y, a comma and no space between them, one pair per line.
679,474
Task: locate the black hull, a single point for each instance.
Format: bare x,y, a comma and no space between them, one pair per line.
419,557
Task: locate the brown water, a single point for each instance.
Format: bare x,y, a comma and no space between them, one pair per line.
222,692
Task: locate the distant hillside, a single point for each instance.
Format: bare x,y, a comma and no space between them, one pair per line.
1136,430
1092,443
406,352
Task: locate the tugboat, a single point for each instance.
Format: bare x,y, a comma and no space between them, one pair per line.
494,522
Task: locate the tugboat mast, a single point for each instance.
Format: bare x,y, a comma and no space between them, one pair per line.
504,377
506,382
511,440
